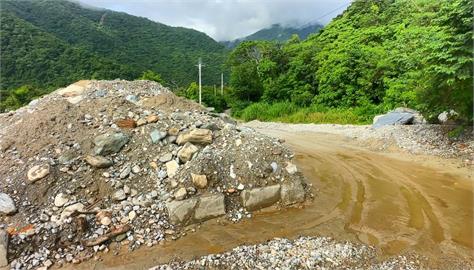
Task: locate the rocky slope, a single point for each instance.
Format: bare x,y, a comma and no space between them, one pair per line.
129,162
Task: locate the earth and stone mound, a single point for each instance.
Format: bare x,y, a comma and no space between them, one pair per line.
100,162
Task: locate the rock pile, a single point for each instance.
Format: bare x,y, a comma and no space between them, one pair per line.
129,163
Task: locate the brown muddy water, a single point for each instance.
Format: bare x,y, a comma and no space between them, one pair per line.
393,201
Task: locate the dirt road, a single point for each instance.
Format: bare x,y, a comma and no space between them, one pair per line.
397,202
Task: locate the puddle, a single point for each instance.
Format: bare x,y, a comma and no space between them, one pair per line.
379,199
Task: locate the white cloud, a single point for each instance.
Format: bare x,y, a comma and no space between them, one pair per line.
227,19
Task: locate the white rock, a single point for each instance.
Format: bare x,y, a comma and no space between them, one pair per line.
38,172
68,211
180,194
60,200
132,215
171,168
291,168
7,205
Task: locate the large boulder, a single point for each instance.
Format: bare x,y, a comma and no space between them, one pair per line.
399,116
109,143
198,136
210,206
180,212
292,192
393,118
258,198
7,205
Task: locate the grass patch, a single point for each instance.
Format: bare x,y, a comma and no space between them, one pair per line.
288,112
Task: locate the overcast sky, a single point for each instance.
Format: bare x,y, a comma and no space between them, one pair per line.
228,19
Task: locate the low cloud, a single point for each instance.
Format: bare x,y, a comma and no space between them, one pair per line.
228,19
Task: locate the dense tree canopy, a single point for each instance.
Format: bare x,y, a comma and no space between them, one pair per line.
385,53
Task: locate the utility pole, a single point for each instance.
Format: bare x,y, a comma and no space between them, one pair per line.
222,83
199,65
214,89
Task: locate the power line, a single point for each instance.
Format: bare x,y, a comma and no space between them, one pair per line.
326,14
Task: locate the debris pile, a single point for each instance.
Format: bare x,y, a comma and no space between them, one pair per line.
129,162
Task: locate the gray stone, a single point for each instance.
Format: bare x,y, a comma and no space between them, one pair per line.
198,136
210,126
210,206
125,171
3,248
166,157
180,212
157,135
38,172
67,157
98,161
258,198
119,195
7,205
186,153
132,98
109,143
292,192
394,118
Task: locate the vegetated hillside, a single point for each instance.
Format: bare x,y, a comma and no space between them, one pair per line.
278,32
48,43
376,56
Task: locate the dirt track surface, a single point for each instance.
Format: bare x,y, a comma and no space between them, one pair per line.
399,203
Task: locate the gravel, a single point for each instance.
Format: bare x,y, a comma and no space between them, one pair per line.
301,253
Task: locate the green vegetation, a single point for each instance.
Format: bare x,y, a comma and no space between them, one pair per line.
209,96
48,44
376,56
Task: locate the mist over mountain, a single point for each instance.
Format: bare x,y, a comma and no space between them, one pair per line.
278,32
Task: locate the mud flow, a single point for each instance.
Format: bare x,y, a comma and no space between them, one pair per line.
390,201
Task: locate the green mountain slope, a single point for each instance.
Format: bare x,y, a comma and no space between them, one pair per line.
277,32
83,43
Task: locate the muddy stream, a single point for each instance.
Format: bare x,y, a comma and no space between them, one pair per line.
394,201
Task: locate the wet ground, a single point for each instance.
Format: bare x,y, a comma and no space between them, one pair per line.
396,202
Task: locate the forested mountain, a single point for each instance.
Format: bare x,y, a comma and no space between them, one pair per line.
50,43
376,55
278,32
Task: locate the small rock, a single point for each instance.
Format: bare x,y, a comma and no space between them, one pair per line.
152,118
38,172
157,135
132,215
3,248
98,161
291,168
180,194
141,122
186,153
173,131
126,123
166,157
68,211
125,172
60,199
136,169
7,205
171,168
109,143
119,195
198,136
240,187
104,217
200,181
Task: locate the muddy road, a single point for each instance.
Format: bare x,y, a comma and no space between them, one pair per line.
396,202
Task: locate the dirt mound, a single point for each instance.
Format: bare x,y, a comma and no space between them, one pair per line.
131,163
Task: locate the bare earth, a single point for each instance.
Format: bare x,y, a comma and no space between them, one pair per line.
401,205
